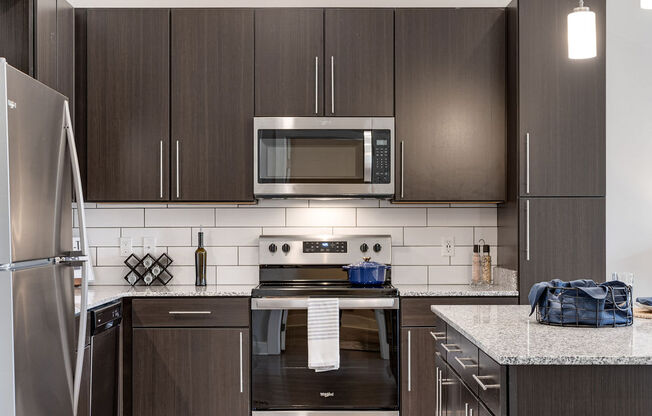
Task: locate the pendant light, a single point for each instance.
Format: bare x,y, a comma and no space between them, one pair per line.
646,4
582,33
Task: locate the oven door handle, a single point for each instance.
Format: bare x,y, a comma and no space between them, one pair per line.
368,156
302,303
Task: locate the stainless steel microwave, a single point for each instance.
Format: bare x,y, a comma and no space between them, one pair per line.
323,157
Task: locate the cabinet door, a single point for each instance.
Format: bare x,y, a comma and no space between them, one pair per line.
562,104
128,104
561,238
451,388
418,374
65,50
45,41
190,371
212,105
289,62
469,404
84,404
359,62
16,34
450,104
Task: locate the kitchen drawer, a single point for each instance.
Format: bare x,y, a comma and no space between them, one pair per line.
190,312
415,311
439,337
492,376
462,357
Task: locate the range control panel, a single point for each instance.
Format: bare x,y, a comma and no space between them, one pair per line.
323,249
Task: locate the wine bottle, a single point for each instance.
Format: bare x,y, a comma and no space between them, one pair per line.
200,262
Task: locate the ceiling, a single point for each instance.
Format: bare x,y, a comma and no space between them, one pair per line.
289,3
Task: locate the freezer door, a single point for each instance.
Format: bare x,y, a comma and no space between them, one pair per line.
43,316
37,213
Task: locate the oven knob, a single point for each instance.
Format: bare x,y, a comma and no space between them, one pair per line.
285,248
364,247
272,248
377,247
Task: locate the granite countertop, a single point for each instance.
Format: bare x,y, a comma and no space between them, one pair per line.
100,295
510,337
456,290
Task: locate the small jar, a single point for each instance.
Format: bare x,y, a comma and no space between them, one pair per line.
486,265
476,270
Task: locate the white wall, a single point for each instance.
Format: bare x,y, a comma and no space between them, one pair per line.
629,142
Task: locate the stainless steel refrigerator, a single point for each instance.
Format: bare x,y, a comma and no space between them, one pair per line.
37,345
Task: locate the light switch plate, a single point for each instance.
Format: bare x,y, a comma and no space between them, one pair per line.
126,248
447,247
149,245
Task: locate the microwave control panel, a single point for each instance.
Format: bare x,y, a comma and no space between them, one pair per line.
382,163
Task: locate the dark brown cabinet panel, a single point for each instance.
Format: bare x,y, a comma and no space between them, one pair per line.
66,50
84,404
562,238
418,385
450,104
45,38
561,104
212,104
359,62
190,371
289,62
17,35
128,104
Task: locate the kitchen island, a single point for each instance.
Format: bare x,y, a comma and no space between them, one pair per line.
497,358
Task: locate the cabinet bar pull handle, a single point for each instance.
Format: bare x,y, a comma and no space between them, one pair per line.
190,312
438,336
177,169
451,348
440,392
409,365
316,84
402,169
437,388
160,169
485,387
332,85
471,412
527,230
466,409
448,382
465,366
527,163
241,370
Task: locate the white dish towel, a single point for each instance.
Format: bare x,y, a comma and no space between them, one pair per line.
323,334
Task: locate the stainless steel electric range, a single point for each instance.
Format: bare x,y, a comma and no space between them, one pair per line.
293,269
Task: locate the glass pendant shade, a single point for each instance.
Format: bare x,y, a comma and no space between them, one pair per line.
646,4
582,43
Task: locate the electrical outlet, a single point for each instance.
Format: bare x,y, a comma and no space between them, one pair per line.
149,245
126,248
447,247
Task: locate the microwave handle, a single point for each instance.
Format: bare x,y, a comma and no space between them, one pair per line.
302,303
368,156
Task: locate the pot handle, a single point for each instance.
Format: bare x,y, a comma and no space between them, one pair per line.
346,267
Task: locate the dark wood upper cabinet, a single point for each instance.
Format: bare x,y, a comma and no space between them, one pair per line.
66,50
45,38
450,104
128,83
212,106
359,62
561,104
561,238
190,371
17,34
289,62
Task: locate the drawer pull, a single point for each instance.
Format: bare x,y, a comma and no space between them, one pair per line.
451,347
485,387
465,366
439,336
190,312
447,382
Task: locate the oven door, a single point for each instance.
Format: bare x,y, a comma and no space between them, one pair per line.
367,379
307,156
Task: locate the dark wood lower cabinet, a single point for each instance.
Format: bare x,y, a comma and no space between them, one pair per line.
84,405
418,375
190,371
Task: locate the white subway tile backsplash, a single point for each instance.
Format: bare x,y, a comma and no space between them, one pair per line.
344,203
110,256
418,256
297,230
248,256
409,275
185,275
395,232
432,236
449,275
115,217
320,217
250,217
138,205
164,236
278,203
237,275
180,217
488,234
391,217
103,236
463,256
216,256
468,217
113,275
228,236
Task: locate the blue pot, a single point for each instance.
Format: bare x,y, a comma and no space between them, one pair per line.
367,273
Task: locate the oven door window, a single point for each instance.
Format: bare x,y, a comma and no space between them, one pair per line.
366,380
311,156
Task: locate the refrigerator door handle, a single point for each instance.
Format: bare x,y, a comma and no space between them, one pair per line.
72,260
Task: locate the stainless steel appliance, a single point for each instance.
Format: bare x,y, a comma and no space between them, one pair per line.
36,267
323,157
292,270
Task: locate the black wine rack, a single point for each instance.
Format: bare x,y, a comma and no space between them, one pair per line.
148,270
